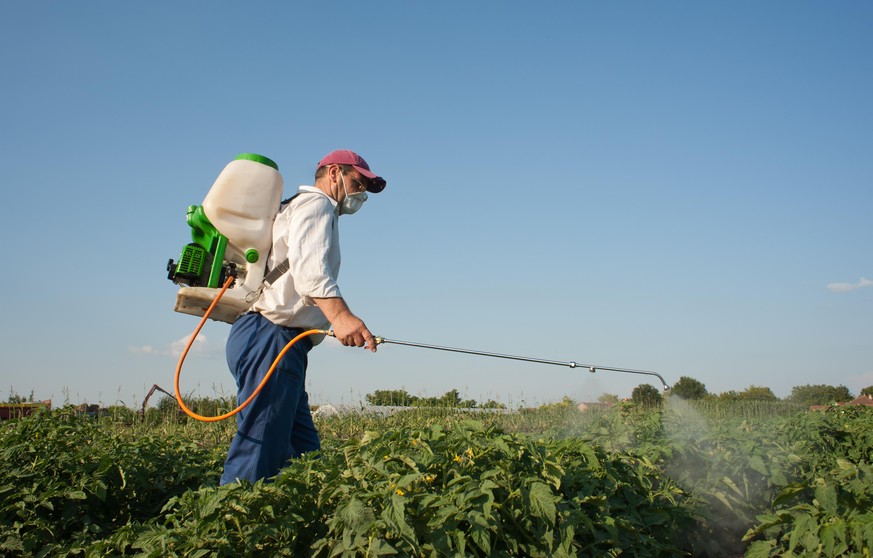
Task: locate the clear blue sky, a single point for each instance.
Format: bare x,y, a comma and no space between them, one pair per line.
683,187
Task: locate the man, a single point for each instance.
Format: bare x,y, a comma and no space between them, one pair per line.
277,425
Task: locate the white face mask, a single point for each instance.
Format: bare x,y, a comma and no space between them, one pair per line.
352,202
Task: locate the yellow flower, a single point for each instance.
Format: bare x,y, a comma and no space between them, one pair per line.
398,492
457,458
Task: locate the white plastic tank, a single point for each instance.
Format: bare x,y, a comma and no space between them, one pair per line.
242,205
243,202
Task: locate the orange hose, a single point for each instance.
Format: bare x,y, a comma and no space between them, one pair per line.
258,389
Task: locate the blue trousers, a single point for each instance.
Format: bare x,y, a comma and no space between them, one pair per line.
277,425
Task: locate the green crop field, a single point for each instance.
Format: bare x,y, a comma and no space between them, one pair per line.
680,479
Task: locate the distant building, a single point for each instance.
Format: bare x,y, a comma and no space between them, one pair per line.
17,410
862,400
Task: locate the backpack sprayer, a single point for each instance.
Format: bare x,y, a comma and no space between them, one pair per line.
232,233
222,271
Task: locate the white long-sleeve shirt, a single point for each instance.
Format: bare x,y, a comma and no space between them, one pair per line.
306,233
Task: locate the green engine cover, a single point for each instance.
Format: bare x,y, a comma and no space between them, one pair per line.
200,264
205,235
193,262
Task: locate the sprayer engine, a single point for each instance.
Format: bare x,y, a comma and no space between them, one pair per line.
194,266
202,262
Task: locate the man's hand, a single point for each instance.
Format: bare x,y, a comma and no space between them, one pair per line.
349,329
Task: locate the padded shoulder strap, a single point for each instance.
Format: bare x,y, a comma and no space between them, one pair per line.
277,272
283,266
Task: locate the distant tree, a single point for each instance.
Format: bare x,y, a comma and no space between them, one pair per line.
451,399
646,395
15,398
867,391
608,398
731,395
566,401
491,404
427,402
391,398
819,394
689,388
758,393
168,404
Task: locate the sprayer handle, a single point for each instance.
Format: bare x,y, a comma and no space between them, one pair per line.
379,340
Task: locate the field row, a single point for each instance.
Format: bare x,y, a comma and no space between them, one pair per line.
677,479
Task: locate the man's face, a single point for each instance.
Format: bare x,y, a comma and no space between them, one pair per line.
354,182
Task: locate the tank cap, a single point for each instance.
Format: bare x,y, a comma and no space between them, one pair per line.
257,158
252,255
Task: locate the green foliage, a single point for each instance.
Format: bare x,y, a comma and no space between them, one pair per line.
68,479
720,408
820,394
491,404
828,517
14,397
168,404
688,388
467,490
710,477
825,512
646,395
565,403
393,397
758,393
401,398
451,399
731,395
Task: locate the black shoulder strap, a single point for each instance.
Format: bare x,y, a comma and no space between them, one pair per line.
288,200
277,272
283,266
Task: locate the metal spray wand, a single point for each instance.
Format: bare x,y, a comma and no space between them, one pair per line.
591,367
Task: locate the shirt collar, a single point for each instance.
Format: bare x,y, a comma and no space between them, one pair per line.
314,190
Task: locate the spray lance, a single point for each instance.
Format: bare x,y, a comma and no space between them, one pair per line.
572,364
379,341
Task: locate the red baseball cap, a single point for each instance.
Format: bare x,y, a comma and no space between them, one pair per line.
346,157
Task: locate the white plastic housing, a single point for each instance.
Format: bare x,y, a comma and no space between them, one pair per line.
242,205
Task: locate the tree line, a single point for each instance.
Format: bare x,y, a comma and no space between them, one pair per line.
806,395
645,394
402,398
